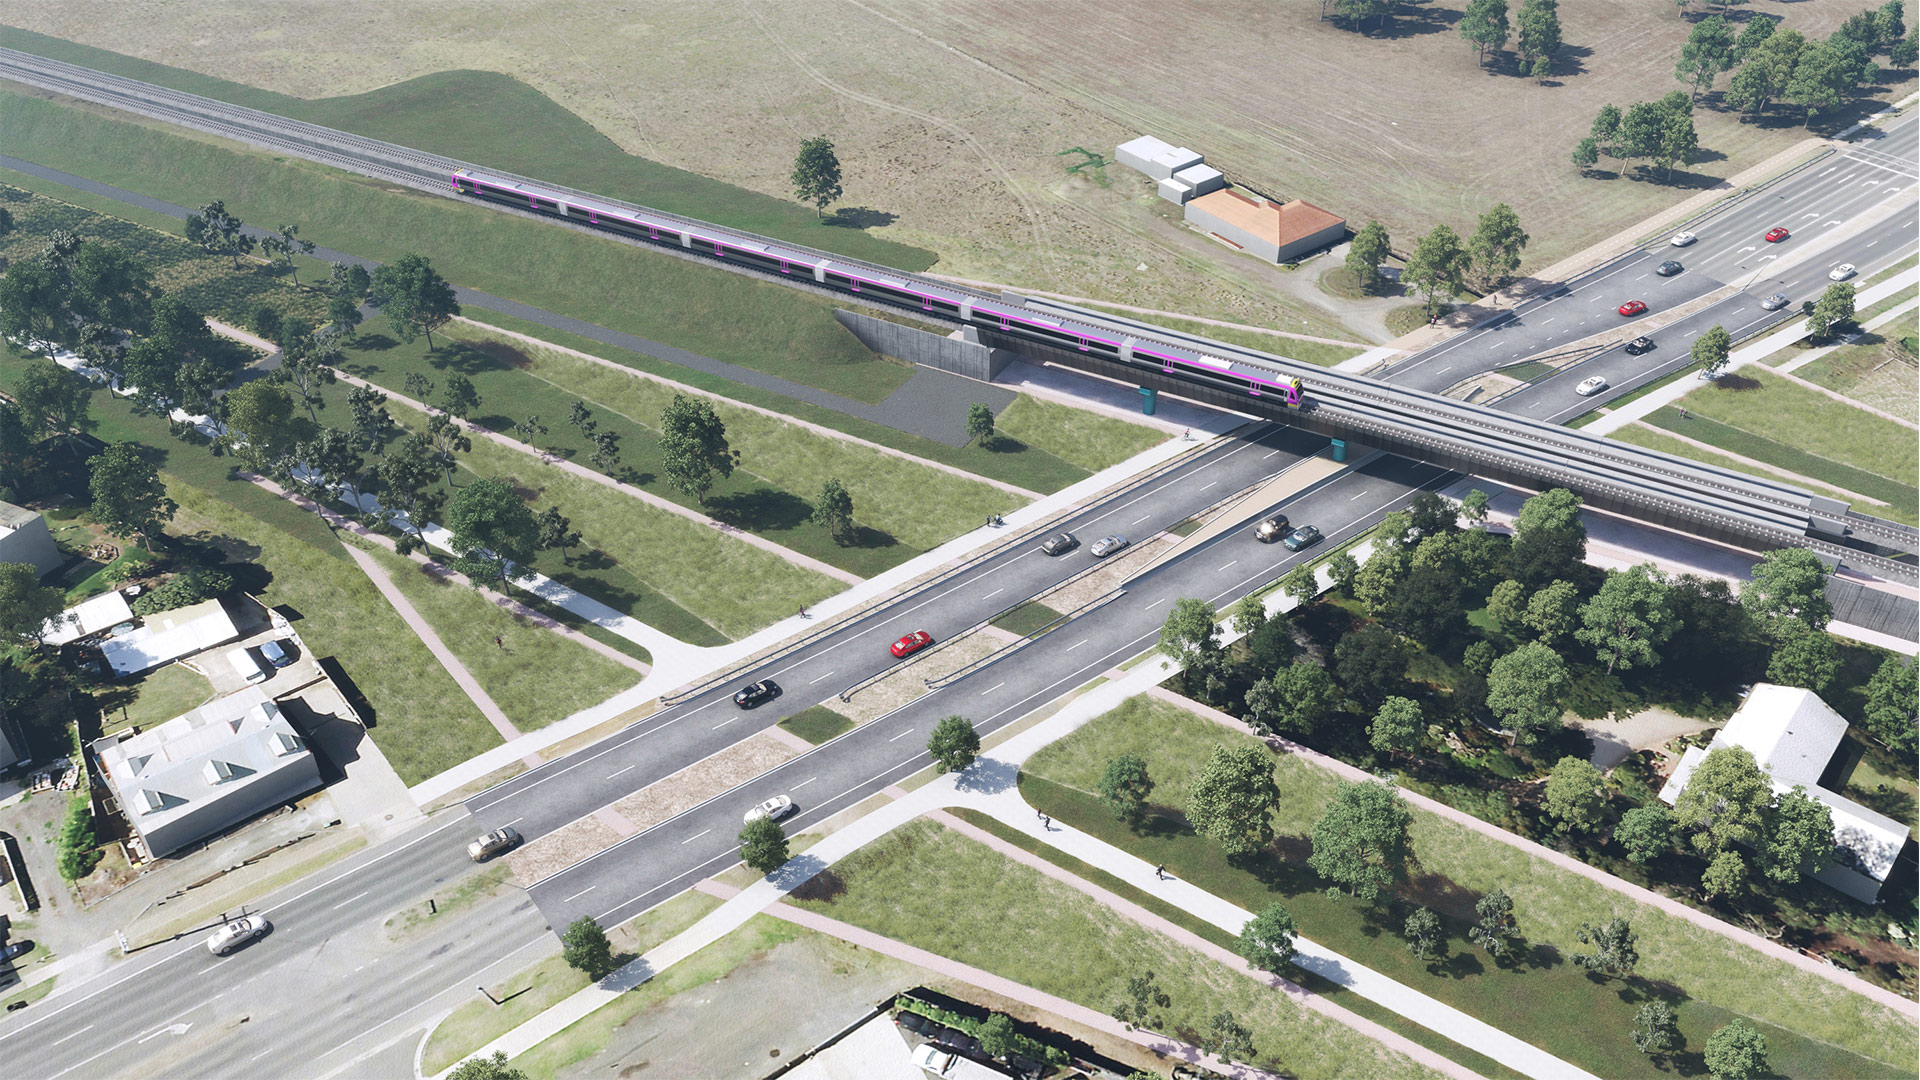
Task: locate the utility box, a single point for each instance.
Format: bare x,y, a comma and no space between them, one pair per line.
1150,400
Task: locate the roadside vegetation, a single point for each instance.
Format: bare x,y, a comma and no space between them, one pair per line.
817,724
1309,352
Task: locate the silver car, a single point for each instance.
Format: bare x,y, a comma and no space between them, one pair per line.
1592,386
237,933
1774,302
1107,545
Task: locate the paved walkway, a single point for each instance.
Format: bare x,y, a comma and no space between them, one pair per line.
1882,319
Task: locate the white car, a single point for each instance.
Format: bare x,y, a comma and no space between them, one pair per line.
776,808
237,933
1682,239
1591,386
1842,272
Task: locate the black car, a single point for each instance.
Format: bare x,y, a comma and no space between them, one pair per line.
16,950
1059,544
1639,345
1668,268
754,693
914,1022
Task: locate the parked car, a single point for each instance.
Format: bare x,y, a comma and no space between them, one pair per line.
1633,307
1272,529
1669,268
1774,236
1682,239
776,808
245,666
1591,386
912,643
1302,538
1775,302
493,843
913,1021
1641,344
754,693
1058,544
1107,545
237,933
16,950
1842,272
931,1058
276,655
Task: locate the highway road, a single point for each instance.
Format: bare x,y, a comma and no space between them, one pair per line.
1836,193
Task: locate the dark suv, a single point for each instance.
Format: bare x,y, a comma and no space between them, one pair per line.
1059,544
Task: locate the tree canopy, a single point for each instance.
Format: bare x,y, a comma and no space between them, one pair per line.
1437,267
129,497
954,744
816,174
1575,795
415,298
1496,245
1124,786
495,534
1628,620
1231,802
1527,690
1266,941
1549,537
586,949
1361,842
693,446
763,845
1724,801
25,606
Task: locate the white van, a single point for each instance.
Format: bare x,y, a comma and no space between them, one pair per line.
246,666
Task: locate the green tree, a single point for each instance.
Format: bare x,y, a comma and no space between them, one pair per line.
1190,635
1553,612
1344,568
1893,699
954,744
1125,786
1628,620
763,845
151,367
980,423
1232,800
1707,53
56,400
1428,606
1227,1039
1361,842
1586,154
1724,802
1484,26
997,1037
1496,245
285,245
816,174
1396,725
833,511
343,315
407,474
25,607
260,423
1655,1030
1539,35
1725,876
1507,604
1799,832
77,850
1765,73
1527,690
1438,266
336,459
487,1068
1426,940
1249,616
1614,951
1301,583
129,497
556,532
416,299
1803,657
350,280
371,424
33,306
1144,1004
1575,795
217,232
1295,700
1371,661
458,396
495,535
1712,348
1267,939
585,948
1605,132
1369,248
1549,537
1826,73
1737,1052
1758,29
693,446
112,287
1646,832
1789,583
1905,52
1494,928
1833,310
1378,580
1678,143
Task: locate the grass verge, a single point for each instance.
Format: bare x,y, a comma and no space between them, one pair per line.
1309,352
1900,499
817,724
161,695
1025,619
1084,439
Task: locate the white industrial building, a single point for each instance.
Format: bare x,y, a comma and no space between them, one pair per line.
24,538
170,635
87,617
1275,231
1792,735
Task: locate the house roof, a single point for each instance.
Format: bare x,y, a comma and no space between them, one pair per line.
1280,223
87,617
1146,147
170,635
13,517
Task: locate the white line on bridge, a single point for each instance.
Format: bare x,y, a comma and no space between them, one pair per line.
805,782
348,900
694,837
579,894
628,769
1077,644
992,688
902,735
993,594
828,675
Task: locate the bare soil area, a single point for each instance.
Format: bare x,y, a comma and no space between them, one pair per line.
908,681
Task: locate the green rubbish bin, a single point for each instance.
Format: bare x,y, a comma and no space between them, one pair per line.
1339,449
1152,400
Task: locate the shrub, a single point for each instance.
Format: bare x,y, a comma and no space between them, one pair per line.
190,587
997,1029
79,852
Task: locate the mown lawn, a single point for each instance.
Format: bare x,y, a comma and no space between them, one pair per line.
1899,499
1309,352
1817,425
1878,371
1026,618
927,886
1086,439
817,724
1815,1027
161,695
534,675
1653,439
760,325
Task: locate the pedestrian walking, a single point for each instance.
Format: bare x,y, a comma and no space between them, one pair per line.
1683,412
1040,814
1047,822
498,642
803,611
1160,871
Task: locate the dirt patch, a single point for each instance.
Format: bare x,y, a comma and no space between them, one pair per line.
908,681
1481,387
1115,570
561,848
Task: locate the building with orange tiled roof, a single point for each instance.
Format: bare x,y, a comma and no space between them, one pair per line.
1278,232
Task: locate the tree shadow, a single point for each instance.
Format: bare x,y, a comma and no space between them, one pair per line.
868,538
374,342
860,217
501,353
763,509
1405,22
1461,964
824,887
1571,60
1003,444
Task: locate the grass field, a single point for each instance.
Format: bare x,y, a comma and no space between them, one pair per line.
1878,371
817,724
1815,1027
1026,618
927,886
534,675
1087,440
162,695
1311,352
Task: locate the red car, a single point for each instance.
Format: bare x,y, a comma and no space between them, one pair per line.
912,643
1632,307
1774,236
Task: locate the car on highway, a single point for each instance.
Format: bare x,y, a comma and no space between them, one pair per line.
1107,545
754,693
1591,386
774,809
1669,268
1682,239
236,933
495,842
1633,307
912,643
1058,544
16,950
1842,272
1272,529
1774,236
1775,302
1641,344
1302,538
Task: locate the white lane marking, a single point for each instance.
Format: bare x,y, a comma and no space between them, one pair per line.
579,894
1156,603
203,971
1138,520
263,1053
1077,644
694,837
1276,451
1642,277
349,900
993,594
1870,243
628,769
725,722
1549,320
1216,483
1444,370
1749,247
1217,569
75,1035
805,782
1828,171
828,675
992,688
1359,496
902,735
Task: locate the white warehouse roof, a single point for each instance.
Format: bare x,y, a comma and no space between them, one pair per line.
87,617
169,636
